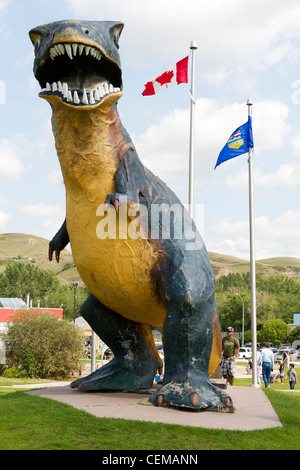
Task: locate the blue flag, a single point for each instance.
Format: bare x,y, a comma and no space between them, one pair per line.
238,143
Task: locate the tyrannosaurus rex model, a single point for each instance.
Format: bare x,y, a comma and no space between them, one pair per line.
141,268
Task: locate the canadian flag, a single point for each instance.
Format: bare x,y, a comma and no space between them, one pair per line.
175,75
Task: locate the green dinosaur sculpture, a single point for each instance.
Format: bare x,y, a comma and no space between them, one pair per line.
135,281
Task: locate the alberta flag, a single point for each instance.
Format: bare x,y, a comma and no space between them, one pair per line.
238,143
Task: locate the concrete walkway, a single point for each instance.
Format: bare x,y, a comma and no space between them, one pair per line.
252,409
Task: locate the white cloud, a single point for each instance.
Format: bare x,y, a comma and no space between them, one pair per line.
4,4
55,178
164,146
10,165
43,211
232,36
277,237
4,219
287,177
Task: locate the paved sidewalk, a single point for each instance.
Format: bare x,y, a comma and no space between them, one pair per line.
252,409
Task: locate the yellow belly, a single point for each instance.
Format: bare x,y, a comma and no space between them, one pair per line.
116,271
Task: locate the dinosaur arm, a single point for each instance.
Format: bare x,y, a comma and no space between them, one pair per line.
59,242
126,178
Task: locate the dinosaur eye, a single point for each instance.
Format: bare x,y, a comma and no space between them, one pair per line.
116,38
37,45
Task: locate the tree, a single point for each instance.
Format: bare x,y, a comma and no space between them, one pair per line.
20,279
43,346
294,335
275,331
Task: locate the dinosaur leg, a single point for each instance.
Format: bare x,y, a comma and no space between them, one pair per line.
187,339
135,356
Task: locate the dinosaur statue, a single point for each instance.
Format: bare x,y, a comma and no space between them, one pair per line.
135,282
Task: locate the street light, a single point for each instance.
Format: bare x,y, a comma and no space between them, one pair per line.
243,318
75,284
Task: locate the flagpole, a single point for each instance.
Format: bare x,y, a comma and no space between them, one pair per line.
193,48
252,261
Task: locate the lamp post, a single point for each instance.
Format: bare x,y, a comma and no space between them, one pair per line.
75,284
243,319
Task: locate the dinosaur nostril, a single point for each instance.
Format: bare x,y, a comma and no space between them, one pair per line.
87,31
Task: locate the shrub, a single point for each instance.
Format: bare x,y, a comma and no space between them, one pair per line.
42,345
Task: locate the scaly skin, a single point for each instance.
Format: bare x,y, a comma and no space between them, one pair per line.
135,282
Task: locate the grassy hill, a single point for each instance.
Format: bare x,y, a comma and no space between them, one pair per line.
18,247
224,264
22,248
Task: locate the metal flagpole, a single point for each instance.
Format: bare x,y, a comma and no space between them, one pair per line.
193,47
252,262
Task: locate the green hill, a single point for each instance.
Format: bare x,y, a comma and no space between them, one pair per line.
18,247
225,264
22,248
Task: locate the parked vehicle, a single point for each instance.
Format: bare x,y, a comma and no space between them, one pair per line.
244,353
292,354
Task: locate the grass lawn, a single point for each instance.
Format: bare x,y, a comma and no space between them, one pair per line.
35,423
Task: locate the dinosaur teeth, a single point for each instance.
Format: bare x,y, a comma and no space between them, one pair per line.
76,98
72,50
89,97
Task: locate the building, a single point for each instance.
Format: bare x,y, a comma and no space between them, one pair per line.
9,308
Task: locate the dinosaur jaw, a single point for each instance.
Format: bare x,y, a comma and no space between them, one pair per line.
79,75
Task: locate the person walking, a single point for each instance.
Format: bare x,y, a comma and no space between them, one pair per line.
230,347
266,358
291,374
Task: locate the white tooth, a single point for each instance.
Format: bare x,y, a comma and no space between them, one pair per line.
87,50
69,50
54,86
65,90
53,52
101,90
74,47
59,86
76,98
97,95
116,90
48,87
111,88
61,48
106,90
81,47
98,55
84,98
69,97
92,100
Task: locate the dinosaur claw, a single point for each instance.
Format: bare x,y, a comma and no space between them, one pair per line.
194,398
160,399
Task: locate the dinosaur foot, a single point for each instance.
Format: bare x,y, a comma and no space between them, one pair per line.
204,396
114,376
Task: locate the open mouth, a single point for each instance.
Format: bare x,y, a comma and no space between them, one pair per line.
79,74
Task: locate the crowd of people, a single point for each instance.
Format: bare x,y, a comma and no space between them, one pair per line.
265,363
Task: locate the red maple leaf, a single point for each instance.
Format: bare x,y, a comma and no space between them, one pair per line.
165,78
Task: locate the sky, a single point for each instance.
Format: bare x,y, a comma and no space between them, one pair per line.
246,50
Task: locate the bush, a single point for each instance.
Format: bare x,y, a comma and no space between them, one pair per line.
43,346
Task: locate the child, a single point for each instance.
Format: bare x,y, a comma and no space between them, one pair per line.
259,373
291,374
281,372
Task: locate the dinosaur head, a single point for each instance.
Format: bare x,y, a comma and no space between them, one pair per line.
77,63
